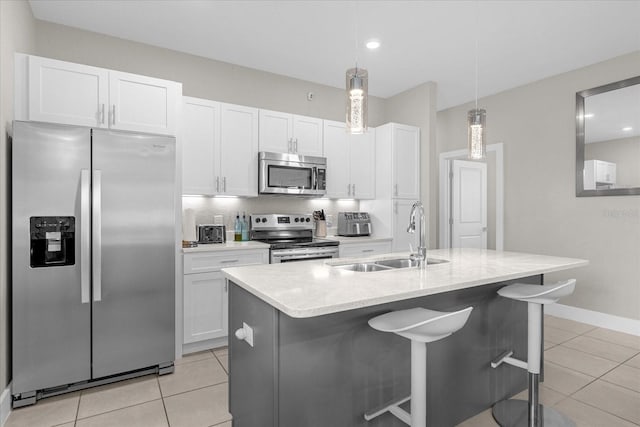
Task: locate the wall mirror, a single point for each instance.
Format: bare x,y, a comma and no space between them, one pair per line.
608,139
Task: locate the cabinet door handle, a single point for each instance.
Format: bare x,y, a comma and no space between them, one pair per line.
395,189
353,186
395,208
217,184
367,250
224,184
114,114
290,148
228,261
348,189
295,145
102,114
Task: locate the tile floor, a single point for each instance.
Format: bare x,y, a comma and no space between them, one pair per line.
592,375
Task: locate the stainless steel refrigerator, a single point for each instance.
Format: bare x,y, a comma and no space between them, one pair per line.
93,250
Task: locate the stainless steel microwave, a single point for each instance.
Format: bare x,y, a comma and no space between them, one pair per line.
281,173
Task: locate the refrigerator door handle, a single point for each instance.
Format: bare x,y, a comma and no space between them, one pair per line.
97,235
85,238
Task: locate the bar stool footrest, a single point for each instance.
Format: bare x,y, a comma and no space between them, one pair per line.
515,413
392,406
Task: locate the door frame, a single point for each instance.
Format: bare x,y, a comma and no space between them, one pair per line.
444,200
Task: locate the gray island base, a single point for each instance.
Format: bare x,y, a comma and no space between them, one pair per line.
311,367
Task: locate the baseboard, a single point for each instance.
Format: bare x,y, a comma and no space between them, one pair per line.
595,318
5,405
204,345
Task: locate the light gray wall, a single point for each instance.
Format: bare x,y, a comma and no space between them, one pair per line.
17,30
536,123
417,107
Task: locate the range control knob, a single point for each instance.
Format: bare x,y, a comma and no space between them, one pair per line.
308,220
257,220
264,220
297,219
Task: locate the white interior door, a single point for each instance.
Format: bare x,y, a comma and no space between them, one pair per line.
468,204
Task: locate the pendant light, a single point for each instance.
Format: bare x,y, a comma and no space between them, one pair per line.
476,121
357,82
357,85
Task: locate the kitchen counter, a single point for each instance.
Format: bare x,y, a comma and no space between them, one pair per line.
227,246
314,288
309,357
359,239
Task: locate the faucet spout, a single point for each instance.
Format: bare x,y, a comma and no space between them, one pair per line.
418,209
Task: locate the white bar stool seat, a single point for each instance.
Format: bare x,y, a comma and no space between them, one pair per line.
530,413
421,326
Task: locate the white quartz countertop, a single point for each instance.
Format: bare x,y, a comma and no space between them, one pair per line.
315,288
227,246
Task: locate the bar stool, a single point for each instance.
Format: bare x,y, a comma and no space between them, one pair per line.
420,326
531,413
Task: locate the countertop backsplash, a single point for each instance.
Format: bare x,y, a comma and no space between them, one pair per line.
206,208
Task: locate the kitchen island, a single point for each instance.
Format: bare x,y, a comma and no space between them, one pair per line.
310,359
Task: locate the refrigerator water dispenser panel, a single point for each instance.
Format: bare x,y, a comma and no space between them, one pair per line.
52,241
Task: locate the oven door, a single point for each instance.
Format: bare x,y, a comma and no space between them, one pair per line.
303,254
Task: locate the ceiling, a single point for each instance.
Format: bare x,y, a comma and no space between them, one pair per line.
518,41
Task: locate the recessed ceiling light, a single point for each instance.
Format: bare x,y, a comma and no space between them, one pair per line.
588,116
373,44
627,129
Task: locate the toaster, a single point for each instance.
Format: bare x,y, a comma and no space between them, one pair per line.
211,233
354,224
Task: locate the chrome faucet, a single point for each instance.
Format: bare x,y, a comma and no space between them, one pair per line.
421,255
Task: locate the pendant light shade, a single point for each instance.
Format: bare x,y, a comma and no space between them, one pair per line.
476,122
357,100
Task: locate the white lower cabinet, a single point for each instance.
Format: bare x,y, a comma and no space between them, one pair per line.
362,249
205,295
205,307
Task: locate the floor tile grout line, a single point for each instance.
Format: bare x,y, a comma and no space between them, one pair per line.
605,411
197,388
75,420
621,386
164,405
118,409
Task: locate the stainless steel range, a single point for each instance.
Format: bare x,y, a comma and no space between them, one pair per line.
291,237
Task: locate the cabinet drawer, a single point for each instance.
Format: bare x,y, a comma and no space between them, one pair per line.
364,249
213,261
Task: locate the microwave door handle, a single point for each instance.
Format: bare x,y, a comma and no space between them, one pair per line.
314,177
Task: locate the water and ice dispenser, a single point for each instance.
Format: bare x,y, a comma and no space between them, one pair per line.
52,240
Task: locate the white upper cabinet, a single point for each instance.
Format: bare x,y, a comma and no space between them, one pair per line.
142,104
239,150
200,145
219,148
363,164
350,162
336,149
63,92
400,177
290,133
55,91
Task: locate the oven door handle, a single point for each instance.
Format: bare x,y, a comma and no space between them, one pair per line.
289,254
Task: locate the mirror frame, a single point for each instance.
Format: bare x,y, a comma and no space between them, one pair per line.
580,146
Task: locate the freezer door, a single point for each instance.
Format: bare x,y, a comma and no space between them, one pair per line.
50,293
133,251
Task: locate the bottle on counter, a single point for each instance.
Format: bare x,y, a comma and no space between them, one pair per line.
244,227
237,228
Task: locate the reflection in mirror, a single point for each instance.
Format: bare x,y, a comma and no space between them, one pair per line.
608,139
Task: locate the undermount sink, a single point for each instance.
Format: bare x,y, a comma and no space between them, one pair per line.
387,264
363,267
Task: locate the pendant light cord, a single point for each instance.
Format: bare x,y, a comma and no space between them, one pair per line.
356,22
477,12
